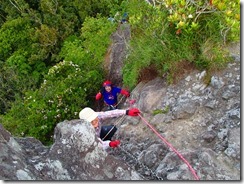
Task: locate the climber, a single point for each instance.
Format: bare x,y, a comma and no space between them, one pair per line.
109,94
105,133
125,18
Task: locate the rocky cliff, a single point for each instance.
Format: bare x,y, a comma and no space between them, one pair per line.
201,121
75,155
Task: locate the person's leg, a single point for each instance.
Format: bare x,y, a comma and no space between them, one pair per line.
104,132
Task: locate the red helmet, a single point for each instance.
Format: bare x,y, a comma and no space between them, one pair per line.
107,83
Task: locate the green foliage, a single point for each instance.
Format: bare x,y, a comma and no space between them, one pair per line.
213,56
161,111
32,33
170,31
17,77
96,34
72,49
14,35
17,52
63,93
67,87
92,45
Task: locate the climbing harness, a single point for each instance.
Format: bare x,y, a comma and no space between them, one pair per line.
168,144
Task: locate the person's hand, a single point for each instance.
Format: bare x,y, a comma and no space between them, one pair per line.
133,112
114,144
98,96
124,92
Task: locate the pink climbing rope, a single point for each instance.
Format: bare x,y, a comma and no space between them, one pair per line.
166,142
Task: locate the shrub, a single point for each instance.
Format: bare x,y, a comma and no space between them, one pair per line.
165,33
64,92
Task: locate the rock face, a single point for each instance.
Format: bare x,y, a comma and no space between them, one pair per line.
201,121
75,155
117,53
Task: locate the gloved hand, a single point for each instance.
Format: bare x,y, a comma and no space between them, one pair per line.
133,112
114,144
98,96
124,92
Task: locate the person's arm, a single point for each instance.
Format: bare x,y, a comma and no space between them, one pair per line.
98,96
118,112
107,144
125,92
111,114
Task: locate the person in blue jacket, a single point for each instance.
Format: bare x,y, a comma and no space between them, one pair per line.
109,94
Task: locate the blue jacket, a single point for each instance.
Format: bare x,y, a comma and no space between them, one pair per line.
111,97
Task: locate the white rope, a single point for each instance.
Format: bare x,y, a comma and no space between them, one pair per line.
117,122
